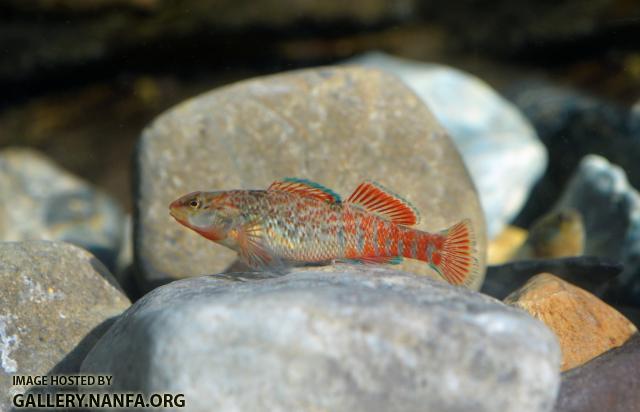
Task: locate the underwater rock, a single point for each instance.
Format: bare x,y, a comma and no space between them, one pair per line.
55,302
40,201
585,326
367,338
336,125
559,233
588,272
610,209
504,247
499,146
572,125
610,382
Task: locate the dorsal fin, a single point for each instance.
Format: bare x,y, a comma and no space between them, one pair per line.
304,187
376,199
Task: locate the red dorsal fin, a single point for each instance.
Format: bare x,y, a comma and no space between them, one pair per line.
304,187
376,199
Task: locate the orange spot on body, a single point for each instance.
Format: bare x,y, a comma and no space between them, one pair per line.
422,247
407,243
394,234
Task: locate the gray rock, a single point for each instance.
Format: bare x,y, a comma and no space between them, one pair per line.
610,209
341,339
573,125
55,302
336,126
499,146
610,382
40,201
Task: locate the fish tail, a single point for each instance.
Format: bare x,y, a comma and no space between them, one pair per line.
456,257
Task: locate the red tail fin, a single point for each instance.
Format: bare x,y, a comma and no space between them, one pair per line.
458,262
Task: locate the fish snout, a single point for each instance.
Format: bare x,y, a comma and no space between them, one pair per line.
176,209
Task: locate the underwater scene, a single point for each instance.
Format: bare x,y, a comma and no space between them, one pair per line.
320,205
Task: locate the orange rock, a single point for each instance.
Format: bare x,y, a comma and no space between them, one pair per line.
585,326
505,245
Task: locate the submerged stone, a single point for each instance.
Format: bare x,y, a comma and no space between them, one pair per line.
40,201
610,209
341,338
336,126
499,146
55,302
585,326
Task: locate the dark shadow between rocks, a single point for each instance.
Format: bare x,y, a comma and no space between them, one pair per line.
127,281
70,364
99,267
587,272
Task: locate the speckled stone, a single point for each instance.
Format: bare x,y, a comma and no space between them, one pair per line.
496,141
55,302
336,126
41,201
585,326
342,338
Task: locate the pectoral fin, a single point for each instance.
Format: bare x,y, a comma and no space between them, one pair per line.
252,247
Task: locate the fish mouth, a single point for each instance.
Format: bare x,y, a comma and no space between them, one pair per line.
176,211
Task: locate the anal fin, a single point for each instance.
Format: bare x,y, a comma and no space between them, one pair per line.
373,260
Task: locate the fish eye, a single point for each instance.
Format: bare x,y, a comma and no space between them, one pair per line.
194,203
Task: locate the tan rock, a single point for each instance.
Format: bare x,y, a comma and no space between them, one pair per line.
559,233
505,245
335,126
585,326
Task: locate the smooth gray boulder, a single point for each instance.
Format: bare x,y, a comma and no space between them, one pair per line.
41,201
56,300
337,126
498,144
339,339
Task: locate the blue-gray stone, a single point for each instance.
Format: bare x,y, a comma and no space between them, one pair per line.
342,338
573,125
499,146
610,209
40,201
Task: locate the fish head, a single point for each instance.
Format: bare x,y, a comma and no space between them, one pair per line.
211,214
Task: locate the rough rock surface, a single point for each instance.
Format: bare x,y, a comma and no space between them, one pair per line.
55,302
610,209
496,141
347,338
40,201
610,382
585,325
336,126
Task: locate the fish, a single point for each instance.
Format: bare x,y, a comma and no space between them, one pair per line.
300,222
